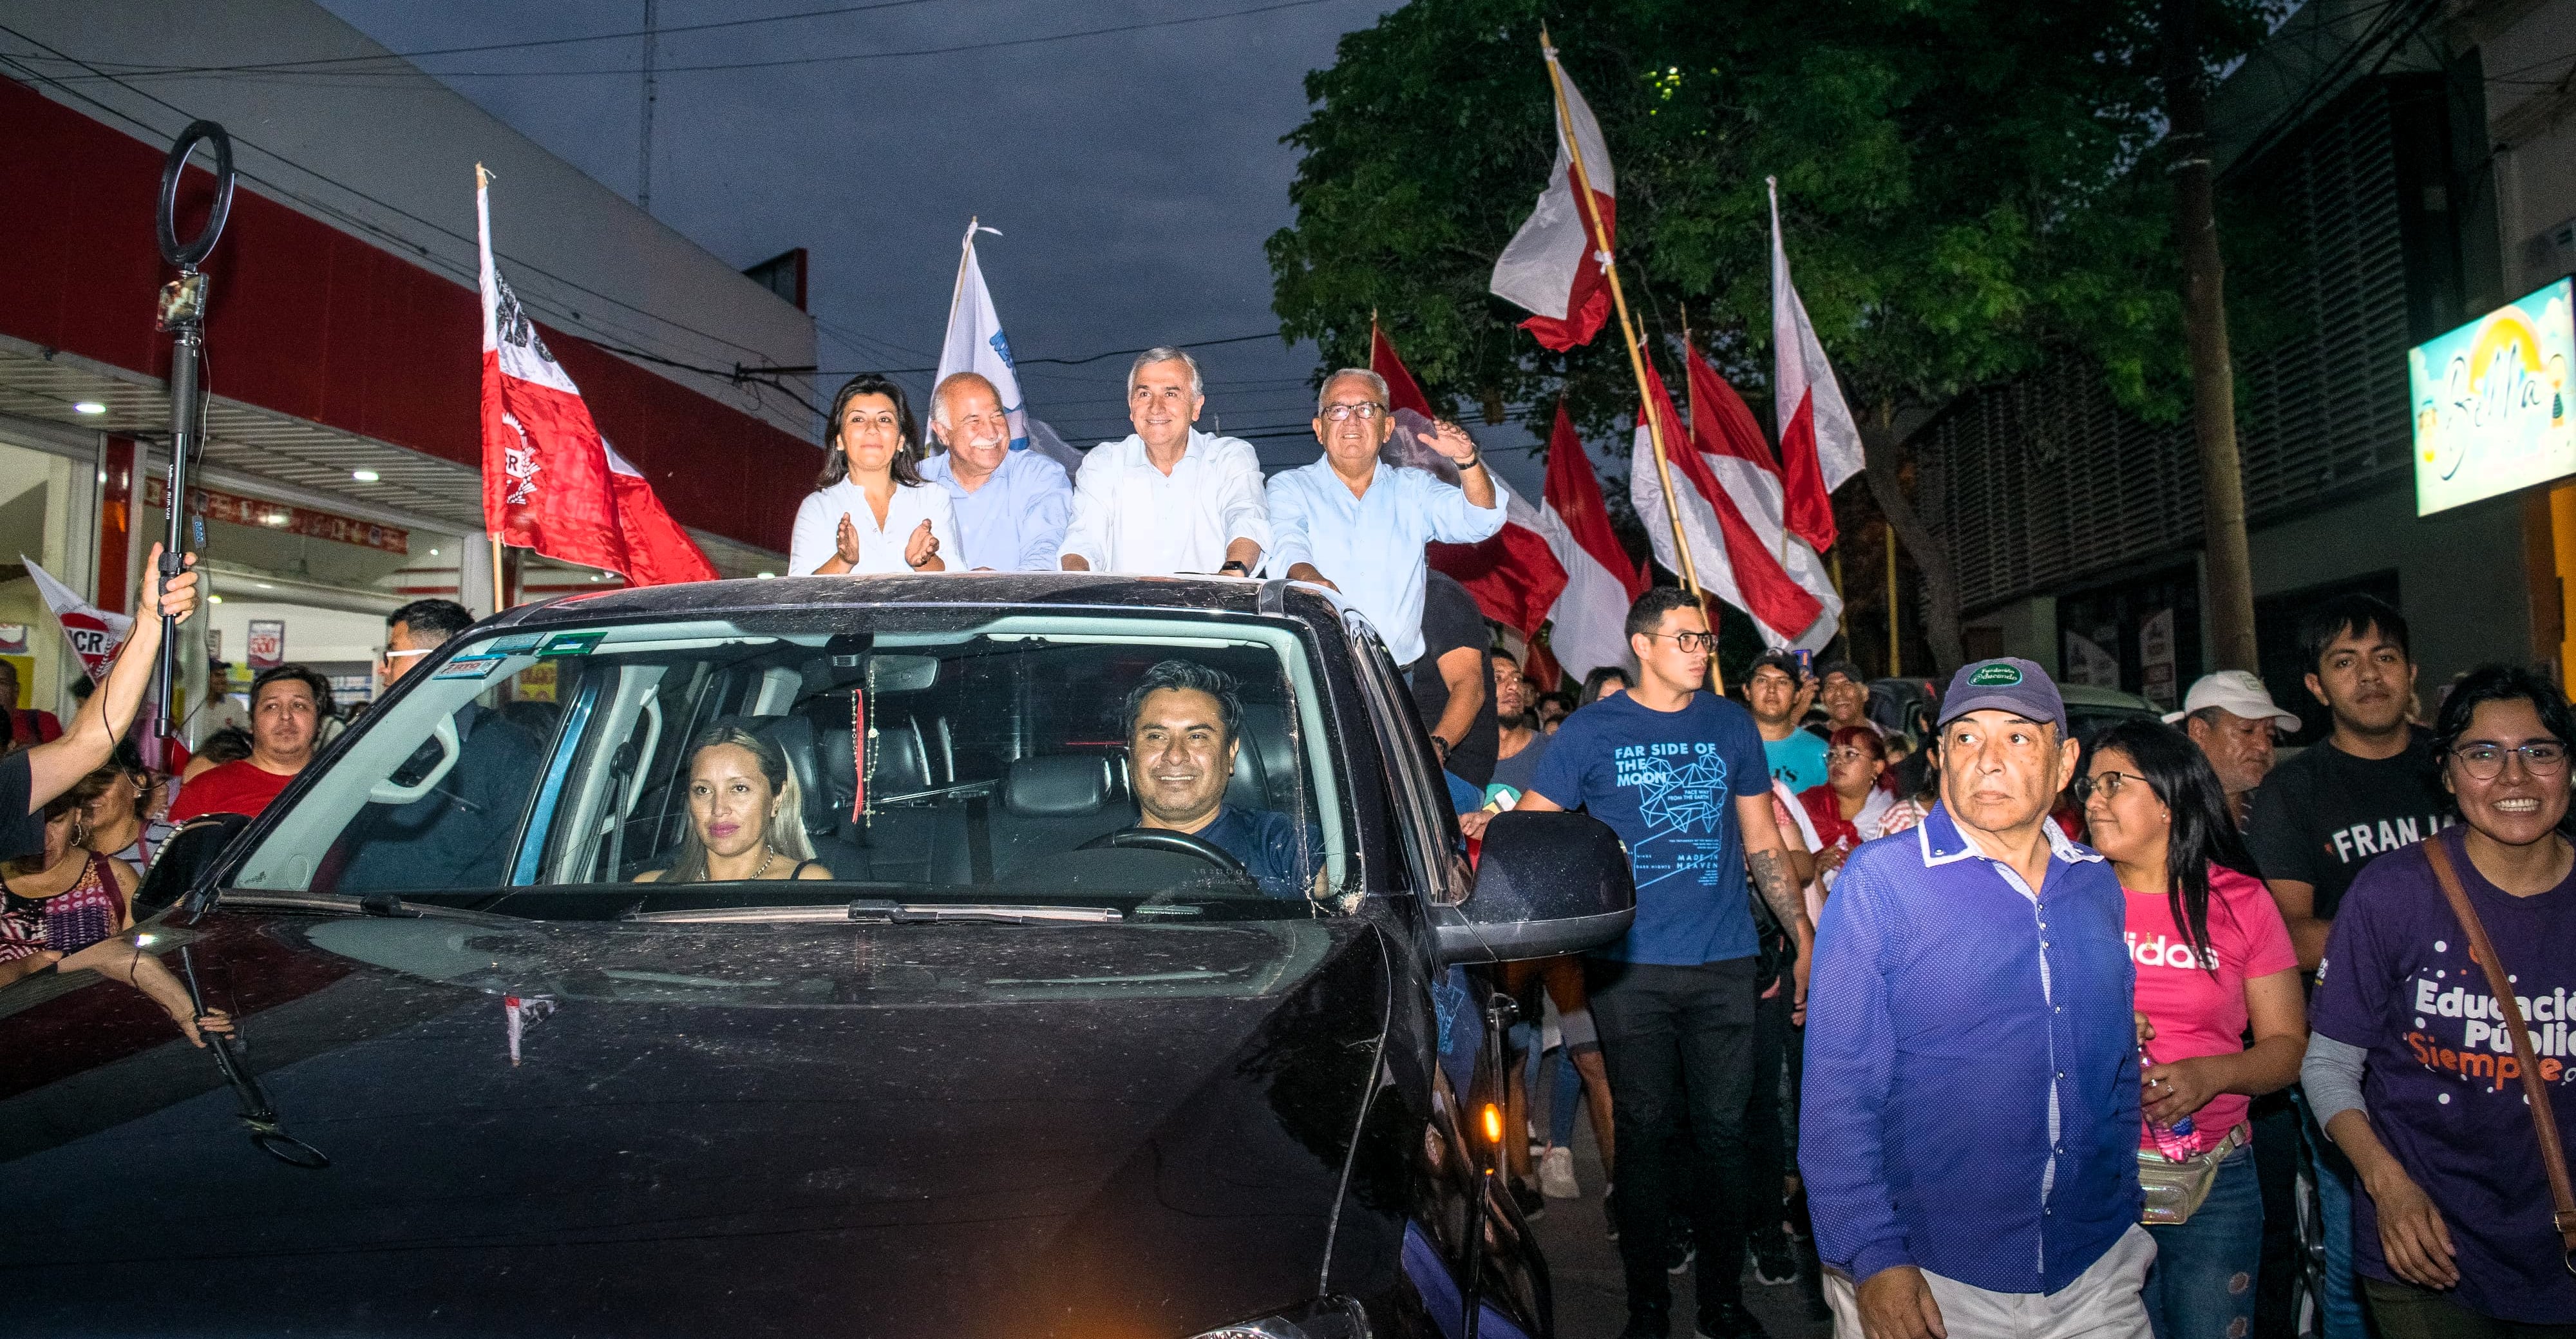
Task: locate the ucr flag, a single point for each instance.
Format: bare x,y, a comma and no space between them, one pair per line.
1729,443
1556,264
550,483
1590,615
1733,560
93,633
1819,442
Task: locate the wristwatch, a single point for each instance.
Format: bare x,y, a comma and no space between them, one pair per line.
1440,746
1234,565
1471,462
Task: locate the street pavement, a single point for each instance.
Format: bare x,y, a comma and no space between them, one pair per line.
1591,1300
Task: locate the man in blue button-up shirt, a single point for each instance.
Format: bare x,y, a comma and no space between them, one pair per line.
1970,1122
1354,523
1011,506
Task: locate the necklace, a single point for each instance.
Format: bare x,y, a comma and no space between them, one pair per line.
767,854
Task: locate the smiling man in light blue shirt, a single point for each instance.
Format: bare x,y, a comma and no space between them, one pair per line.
1354,523
1011,506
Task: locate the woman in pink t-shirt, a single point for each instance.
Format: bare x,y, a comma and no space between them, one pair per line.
2212,956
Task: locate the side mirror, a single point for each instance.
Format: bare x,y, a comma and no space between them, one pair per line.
185,859
1546,884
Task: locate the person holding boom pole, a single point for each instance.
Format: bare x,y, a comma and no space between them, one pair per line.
31,777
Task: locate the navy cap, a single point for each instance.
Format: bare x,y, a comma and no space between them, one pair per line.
2005,683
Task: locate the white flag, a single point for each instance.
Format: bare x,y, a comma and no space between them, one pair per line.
975,342
93,633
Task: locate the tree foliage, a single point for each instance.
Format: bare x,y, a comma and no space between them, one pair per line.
1957,182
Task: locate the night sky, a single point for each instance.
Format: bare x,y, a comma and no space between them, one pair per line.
1134,174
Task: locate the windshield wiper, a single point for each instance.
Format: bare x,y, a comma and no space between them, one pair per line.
878,911
373,904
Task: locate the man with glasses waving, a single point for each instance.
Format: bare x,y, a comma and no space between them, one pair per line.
1680,775
1357,524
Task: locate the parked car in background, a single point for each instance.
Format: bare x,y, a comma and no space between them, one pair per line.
1001,1061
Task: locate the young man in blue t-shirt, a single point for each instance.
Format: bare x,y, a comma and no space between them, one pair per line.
1777,691
1680,774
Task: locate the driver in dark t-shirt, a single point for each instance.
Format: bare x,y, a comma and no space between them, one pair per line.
1183,721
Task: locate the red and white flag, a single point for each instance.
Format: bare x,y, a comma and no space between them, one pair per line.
93,633
1556,264
1729,441
550,481
1732,557
1402,391
1591,613
1819,442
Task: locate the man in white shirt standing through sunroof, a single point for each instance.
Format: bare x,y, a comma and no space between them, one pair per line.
1357,524
1010,506
1169,499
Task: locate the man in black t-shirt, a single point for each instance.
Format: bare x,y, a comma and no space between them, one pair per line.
1453,682
2317,819
2367,790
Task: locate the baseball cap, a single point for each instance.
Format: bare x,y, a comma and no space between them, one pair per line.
2237,692
1784,661
1844,668
2005,683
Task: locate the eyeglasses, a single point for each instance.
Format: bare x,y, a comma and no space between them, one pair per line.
1367,410
388,655
1701,642
2105,784
2485,762
1848,755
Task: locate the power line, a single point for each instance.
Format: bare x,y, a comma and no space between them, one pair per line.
156,71
786,62
353,220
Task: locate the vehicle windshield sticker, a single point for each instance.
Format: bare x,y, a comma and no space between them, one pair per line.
470,667
571,643
515,646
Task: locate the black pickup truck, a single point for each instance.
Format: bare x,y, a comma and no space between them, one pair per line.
940,956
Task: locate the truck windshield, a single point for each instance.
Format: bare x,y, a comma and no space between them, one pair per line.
1153,765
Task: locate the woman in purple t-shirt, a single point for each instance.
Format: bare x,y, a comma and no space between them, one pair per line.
2410,1065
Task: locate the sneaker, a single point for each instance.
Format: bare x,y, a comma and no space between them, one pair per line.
1728,1320
1610,1209
1556,1175
1774,1261
1533,1204
1678,1259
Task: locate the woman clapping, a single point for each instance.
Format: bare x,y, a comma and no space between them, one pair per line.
870,511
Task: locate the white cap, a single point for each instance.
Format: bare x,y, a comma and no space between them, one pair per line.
2236,692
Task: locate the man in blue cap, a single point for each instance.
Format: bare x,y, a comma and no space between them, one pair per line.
1970,1126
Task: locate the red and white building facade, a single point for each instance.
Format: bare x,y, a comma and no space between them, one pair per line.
340,473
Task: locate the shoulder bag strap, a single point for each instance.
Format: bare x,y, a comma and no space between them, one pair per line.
2553,1157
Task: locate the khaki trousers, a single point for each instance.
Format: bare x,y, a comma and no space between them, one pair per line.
2102,1302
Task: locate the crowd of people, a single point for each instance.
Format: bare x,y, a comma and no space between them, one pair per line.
1972,1028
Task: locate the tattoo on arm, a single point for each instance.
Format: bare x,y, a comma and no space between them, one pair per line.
1779,888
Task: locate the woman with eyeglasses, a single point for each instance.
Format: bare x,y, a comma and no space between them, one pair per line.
2213,956
1846,809
870,511
2413,1070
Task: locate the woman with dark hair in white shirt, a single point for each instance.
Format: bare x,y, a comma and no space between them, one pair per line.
870,511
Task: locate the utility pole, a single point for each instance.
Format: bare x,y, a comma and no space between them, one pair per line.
644,152
2228,562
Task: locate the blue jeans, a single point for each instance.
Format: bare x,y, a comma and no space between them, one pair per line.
2202,1285
2342,1303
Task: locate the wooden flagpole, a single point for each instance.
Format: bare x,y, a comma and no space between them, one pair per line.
500,601
1628,331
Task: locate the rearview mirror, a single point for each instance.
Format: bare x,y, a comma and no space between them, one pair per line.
1546,884
185,859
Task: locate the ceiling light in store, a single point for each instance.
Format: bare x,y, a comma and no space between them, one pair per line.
214,599
88,407
768,576
263,585
363,476
433,553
